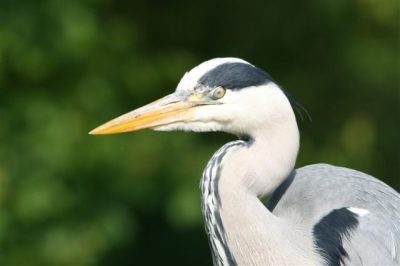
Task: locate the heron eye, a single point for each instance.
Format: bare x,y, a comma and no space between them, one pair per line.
218,93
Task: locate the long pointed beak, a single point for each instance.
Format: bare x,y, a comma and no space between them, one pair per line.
176,107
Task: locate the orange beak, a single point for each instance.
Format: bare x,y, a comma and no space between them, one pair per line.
176,107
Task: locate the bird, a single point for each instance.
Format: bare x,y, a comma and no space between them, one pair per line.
316,215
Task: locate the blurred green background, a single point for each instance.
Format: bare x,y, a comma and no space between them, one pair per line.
67,198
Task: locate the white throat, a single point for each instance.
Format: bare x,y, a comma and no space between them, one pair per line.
271,154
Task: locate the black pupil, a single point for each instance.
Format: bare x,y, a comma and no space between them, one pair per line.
218,93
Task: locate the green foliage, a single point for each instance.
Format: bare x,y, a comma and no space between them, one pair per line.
67,198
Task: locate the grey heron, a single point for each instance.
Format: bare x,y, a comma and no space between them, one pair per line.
316,215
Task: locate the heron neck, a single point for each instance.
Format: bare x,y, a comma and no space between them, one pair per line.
237,176
248,173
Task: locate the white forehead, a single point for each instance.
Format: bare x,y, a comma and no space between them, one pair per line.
190,79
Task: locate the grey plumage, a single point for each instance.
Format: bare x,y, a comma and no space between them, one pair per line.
376,239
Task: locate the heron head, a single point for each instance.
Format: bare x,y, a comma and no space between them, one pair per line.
222,94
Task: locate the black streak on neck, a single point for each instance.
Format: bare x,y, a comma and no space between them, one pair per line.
279,192
248,139
213,188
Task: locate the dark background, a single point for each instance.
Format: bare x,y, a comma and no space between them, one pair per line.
67,198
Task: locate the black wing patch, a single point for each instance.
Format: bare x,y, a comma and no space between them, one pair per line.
330,232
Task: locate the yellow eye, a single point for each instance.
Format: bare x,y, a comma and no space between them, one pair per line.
218,93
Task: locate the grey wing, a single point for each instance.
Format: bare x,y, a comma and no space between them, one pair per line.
354,218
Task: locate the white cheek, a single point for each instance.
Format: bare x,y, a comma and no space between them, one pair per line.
211,113
230,97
